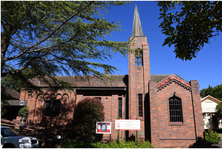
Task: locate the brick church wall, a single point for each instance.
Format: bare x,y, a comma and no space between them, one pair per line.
110,102
155,121
172,134
197,108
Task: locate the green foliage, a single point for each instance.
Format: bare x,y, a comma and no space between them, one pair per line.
219,111
121,144
45,38
4,109
212,91
77,144
23,112
137,138
4,104
212,137
189,25
87,112
117,140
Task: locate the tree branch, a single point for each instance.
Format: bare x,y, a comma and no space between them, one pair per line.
3,24
215,6
38,50
22,68
25,51
21,41
13,32
203,8
21,21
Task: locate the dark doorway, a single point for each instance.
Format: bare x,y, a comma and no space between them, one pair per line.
147,118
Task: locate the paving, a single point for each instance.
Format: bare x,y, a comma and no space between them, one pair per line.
219,145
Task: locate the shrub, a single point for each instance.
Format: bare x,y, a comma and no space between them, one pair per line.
122,144
212,137
87,112
77,144
23,112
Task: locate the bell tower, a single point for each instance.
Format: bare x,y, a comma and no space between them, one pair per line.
139,70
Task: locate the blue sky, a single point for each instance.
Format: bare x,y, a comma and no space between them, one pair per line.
206,68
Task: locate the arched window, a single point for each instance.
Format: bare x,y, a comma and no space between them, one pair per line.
175,109
139,58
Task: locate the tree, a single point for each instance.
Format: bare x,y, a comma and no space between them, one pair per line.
191,27
23,112
87,112
213,91
219,111
42,39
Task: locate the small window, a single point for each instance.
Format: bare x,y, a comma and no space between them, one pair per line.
139,58
120,107
29,92
97,98
47,108
175,108
140,99
55,108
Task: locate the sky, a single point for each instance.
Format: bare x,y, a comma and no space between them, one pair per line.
206,68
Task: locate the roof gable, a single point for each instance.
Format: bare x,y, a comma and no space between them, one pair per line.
210,98
176,79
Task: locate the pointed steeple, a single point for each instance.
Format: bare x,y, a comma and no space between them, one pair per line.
137,28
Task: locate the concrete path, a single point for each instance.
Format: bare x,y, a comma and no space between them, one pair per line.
219,145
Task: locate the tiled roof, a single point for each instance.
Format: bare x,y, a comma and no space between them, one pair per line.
158,78
93,81
11,92
210,97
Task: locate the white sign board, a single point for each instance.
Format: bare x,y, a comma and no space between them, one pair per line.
123,124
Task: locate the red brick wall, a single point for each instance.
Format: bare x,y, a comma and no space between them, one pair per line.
163,133
110,102
197,108
154,113
167,134
36,109
139,77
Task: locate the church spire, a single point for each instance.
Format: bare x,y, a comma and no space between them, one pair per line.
137,28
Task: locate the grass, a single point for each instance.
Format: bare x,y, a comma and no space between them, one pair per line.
220,134
114,144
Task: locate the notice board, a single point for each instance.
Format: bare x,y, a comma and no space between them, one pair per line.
125,124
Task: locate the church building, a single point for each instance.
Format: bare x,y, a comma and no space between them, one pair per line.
168,107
